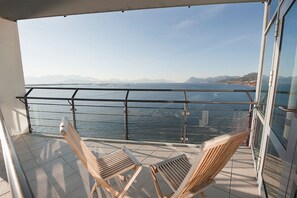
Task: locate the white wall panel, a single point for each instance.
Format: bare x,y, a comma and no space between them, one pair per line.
11,78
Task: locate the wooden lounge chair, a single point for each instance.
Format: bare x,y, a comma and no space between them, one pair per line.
188,180
104,168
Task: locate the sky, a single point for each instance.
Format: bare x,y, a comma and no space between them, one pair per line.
172,43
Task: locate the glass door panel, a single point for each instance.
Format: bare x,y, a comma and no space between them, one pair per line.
266,67
286,87
257,143
272,171
272,8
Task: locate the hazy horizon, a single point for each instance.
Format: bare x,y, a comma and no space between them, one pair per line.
64,79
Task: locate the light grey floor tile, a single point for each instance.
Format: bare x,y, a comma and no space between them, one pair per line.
30,164
70,157
71,183
36,173
76,165
59,175
30,140
3,175
4,187
80,192
6,195
39,145
25,157
22,150
64,150
42,189
244,189
53,165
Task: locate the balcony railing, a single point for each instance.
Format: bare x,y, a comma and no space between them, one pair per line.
171,115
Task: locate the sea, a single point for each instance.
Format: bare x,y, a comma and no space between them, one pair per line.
141,121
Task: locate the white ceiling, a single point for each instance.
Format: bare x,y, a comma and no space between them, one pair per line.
26,9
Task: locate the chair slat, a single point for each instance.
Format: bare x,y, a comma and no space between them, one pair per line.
175,171
167,174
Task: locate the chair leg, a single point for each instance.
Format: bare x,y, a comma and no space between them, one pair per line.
122,177
156,184
203,194
93,189
130,182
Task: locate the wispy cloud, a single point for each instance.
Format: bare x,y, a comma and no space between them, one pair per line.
212,11
235,40
184,24
202,15
225,44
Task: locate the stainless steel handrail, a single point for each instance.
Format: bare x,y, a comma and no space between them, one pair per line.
126,99
19,185
74,100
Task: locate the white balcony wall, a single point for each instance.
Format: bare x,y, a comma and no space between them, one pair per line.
11,78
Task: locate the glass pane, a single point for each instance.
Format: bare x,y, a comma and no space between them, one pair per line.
272,8
266,67
257,142
272,171
286,87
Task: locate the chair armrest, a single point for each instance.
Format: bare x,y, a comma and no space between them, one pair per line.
129,153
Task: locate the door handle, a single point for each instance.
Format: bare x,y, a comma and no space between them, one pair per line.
287,109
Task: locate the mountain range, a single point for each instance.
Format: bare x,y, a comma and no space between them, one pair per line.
215,79
249,79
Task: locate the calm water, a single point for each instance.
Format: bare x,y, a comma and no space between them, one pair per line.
146,121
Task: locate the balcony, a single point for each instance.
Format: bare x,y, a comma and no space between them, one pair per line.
164,129
53,170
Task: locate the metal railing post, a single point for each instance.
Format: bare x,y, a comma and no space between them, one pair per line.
250,115
184,137
27,110
73,108
126,116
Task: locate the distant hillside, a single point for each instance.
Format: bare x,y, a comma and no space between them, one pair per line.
249,79
211,79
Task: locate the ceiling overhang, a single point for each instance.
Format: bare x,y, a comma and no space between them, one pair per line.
28,9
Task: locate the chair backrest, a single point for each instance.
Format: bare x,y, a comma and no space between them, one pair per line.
212,158
78,146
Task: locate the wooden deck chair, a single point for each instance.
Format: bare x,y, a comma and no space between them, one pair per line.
104,168
188,180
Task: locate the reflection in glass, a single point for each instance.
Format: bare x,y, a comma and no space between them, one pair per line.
272,171
286,86
257,142
266,67
272,8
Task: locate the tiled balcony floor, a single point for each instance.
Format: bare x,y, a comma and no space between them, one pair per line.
53,170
